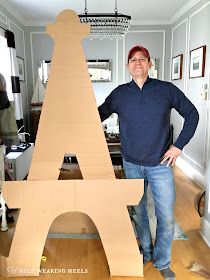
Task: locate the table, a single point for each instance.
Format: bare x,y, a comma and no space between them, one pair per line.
114,151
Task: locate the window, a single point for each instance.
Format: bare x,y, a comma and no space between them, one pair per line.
5,67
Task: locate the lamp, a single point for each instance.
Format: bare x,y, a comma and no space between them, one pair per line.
107,24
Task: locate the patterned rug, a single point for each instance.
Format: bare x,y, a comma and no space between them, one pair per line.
178,232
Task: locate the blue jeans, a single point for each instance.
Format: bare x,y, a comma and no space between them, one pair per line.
161,180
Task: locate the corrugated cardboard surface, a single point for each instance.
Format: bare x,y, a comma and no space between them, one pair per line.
104,201
70,123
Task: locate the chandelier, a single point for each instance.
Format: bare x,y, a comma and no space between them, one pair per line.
106,24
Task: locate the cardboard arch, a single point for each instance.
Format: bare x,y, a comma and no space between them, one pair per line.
73,222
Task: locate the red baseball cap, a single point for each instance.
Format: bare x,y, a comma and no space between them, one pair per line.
138,49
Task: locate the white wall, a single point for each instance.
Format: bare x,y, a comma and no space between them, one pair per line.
41,47
190,32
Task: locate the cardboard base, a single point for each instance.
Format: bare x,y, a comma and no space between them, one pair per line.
104,201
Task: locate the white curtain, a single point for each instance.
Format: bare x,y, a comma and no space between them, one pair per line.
15,80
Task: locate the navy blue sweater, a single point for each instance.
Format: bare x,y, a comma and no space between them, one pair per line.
144,119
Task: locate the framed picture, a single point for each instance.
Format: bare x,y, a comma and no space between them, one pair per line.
197,62
177,67
21,69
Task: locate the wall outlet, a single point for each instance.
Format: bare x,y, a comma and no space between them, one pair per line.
203,95
204,91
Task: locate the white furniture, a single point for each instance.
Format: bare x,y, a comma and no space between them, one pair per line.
20,161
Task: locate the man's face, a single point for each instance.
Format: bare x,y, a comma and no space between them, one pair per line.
138,65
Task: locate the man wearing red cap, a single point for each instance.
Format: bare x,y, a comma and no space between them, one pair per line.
144,107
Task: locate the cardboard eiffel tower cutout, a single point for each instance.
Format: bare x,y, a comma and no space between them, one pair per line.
70,123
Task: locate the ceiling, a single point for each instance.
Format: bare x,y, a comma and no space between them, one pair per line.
40,12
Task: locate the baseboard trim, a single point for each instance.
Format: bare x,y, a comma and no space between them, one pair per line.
205,229
191,172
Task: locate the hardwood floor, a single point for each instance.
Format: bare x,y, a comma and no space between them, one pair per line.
69,254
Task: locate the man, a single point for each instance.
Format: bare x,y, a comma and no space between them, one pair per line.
143,107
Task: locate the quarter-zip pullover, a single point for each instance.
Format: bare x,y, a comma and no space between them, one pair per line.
144,119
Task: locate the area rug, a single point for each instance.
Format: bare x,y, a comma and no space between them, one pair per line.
178,232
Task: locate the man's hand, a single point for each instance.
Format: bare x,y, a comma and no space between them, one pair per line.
171,155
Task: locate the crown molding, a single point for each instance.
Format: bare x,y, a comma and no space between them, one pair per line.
183,10
12,10
38,23
150,22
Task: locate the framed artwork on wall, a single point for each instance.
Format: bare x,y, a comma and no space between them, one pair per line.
176,71
21,69
197,62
